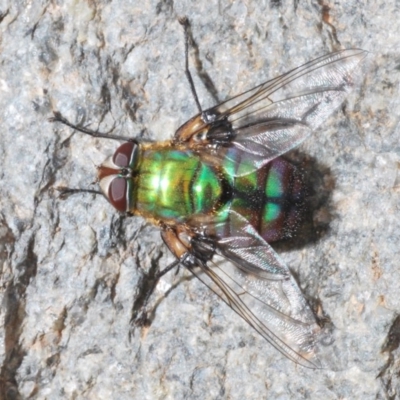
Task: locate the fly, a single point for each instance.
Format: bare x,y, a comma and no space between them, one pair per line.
220,193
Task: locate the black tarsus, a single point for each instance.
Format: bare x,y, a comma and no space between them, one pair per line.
59,118
167,269
185,23
142,319
220,131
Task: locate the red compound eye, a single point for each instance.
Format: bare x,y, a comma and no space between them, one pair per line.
125,155
117,193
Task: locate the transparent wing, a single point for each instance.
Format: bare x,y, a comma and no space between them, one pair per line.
250,277
295,94
277,115
251,297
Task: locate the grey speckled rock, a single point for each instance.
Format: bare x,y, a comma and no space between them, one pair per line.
71,270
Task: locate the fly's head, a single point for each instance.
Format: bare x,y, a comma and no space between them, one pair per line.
116,175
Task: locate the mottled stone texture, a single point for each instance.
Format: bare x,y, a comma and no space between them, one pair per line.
72,270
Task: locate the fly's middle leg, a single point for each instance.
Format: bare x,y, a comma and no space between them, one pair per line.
140,310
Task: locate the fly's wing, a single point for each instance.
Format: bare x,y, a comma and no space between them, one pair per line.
253,299
250,277
277,115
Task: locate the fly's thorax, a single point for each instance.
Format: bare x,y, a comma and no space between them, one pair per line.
174,184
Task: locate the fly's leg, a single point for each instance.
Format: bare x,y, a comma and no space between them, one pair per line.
66,192
180,250
185,23
207,116
188,247
59,118
140,312
208,127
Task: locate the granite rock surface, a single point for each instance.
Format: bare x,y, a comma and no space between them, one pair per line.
72,270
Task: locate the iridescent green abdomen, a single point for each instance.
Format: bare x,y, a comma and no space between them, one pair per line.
271,199
176,184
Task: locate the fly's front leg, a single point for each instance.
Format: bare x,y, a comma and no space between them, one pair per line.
208,127
186,26
59,118
65,192
206,116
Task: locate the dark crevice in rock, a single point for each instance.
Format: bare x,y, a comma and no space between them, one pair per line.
14,306
391,371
